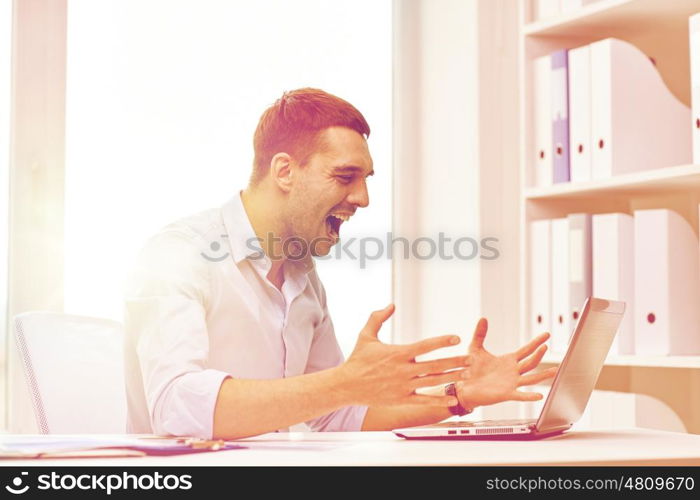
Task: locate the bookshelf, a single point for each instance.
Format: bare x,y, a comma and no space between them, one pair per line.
613,14
669,180
639,361
660,29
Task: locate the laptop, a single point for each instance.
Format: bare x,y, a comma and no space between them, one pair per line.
570,391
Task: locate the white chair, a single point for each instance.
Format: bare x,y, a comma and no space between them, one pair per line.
74,369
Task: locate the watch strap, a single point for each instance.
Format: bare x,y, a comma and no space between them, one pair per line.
458,409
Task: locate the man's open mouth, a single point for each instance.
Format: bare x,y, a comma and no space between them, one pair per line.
333,222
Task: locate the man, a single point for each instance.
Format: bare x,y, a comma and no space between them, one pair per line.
228,332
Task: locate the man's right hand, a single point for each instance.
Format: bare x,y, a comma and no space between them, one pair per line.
378,374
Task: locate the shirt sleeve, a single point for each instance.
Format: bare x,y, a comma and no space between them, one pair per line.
165,324
325,353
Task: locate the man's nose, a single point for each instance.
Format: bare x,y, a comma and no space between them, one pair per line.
359,196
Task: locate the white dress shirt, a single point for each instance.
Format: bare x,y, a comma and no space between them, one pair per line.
199,309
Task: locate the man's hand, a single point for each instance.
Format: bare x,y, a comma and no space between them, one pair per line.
492,379
378,374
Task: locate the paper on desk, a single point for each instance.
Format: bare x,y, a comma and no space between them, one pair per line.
82,446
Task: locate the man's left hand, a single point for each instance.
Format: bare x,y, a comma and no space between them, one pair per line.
493,379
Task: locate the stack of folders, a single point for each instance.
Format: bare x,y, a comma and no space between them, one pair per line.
549,9
650,260
597,113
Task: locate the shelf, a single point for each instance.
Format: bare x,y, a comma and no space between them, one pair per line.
639,361
682,178
605,14
659,29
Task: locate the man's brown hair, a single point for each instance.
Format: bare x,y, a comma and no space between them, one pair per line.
293,125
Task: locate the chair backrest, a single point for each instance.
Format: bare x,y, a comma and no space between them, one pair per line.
74,370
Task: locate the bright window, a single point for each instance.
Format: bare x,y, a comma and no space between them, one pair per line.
162,100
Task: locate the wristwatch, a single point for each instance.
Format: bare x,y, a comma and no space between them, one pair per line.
458,409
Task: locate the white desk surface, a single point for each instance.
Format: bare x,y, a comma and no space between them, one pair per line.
590,447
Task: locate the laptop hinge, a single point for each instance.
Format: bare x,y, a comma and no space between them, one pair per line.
551,430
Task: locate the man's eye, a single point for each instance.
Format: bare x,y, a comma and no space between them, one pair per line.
345,178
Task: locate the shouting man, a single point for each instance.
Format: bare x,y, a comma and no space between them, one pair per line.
227,329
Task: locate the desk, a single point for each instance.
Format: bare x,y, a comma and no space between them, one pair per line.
620,447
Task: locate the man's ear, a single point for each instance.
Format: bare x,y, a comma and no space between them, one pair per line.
281,170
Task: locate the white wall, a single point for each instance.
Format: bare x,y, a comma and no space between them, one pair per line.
499,156
456,166
436,175
454,111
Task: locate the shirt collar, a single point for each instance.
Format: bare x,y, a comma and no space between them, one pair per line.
242,239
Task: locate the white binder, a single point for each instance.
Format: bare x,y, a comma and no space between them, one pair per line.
695,83
580,113
580,277
613,271
542,159
630,100
571,275
540,277
667,284
560,324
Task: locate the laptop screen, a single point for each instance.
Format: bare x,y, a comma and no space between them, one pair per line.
582,363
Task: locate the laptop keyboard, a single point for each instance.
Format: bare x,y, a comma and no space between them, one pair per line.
488,423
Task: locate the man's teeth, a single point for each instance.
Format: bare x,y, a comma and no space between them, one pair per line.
342,217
